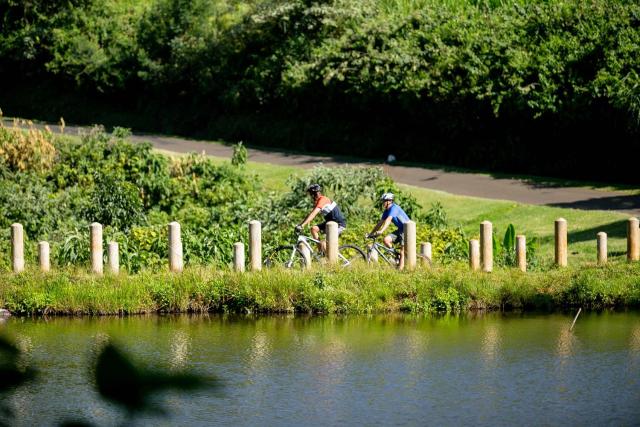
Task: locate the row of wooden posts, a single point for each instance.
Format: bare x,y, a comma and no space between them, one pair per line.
480,251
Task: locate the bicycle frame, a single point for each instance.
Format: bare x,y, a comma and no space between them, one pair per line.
290,254
384,252
305,241
302,239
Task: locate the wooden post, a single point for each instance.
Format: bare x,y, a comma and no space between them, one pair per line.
114,257
332,242
175,248
306,253
238,256
372,253
425,252
96,248
561,242
602,248
255,245
43,256
410,245
17,248
521,252
633,240
486,246
474,255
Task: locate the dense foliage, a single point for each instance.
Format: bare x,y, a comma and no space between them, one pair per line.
494,84
134,193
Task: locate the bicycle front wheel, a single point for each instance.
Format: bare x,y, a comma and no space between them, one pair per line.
350,255
287,256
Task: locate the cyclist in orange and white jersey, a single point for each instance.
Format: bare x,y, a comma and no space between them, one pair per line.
330,211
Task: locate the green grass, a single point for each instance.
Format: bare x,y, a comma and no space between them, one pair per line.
369,290
534,221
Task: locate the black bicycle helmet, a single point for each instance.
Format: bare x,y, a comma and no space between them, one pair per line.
314,188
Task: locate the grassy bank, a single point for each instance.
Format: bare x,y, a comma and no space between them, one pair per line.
323,291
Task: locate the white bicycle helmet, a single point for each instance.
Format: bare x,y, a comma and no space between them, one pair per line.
386,196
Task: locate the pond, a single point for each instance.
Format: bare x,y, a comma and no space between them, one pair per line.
498,369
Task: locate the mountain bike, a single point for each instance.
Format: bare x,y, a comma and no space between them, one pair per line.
291,256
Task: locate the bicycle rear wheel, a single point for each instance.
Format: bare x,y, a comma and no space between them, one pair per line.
424,260
349,255
287,256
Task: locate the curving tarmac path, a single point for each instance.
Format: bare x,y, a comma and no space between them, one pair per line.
467,184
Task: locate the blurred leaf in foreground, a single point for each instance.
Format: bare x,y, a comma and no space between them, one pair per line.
120,381
12,375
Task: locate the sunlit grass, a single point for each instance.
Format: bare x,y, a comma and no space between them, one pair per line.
321,290
534,222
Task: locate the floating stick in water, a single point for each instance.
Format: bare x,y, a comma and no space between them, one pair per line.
575,318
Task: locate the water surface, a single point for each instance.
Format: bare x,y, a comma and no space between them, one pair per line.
490,369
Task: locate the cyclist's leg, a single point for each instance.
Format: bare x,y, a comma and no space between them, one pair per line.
397,238
315,233
400,242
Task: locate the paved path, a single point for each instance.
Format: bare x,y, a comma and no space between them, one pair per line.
468,184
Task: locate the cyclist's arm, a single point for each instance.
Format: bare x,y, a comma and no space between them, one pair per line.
384,223
310,217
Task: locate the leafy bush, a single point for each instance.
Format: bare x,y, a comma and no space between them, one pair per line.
239,157
114,202
436,217
134,193
505,251
30,150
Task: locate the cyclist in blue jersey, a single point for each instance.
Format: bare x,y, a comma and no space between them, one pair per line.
392,213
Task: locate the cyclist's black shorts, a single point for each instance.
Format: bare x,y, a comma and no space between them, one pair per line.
323,227
397,237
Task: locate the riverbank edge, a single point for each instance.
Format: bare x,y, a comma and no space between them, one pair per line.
199,290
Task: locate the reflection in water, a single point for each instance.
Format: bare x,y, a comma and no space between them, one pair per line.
417,343
634,351
634,342
490,355
565,349
100,341
565,345
180,343
259,350
25,345
490,345
330,372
